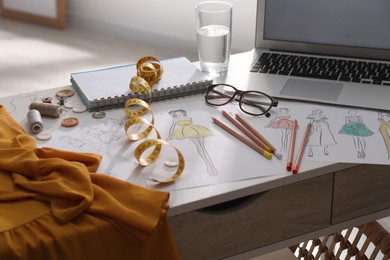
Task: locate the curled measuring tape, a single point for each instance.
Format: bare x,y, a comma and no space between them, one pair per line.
150,69
149,72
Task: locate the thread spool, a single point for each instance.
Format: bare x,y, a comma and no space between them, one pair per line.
35,121
52,110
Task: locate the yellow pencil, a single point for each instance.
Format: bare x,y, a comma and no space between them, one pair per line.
256,133
246,131
242,138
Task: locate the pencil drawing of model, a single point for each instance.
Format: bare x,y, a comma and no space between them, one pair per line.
384,128
108,130
104,137
182,128
100,138
320,134
355,127
282,121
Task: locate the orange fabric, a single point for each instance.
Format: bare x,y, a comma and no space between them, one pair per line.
54,206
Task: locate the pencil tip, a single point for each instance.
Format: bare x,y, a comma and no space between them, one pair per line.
278,155
267,155
289,166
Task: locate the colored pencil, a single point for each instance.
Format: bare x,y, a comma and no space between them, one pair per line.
246,131
257,134
292,146
302,148
242,138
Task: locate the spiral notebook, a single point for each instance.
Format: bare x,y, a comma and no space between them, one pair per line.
109,87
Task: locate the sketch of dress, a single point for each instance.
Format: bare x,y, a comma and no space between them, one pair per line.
196,133
384,128
320,134
355,127
282,121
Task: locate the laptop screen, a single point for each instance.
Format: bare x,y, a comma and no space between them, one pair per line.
344,23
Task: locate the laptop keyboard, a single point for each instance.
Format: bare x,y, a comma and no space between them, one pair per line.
323,68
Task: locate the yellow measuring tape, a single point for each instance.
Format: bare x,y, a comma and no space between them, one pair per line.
149,72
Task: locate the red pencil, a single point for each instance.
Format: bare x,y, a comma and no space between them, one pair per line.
292,146
302,148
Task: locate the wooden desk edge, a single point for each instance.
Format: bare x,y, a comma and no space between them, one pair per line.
183,201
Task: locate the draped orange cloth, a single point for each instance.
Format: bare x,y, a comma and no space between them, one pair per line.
54,206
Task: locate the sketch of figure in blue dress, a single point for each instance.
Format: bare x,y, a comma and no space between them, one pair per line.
384,128
320,133
182,128
283,122
355,127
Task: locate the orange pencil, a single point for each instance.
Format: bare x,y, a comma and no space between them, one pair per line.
257,134
302,148
242,138
292,146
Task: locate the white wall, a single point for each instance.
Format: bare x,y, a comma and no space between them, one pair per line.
169,23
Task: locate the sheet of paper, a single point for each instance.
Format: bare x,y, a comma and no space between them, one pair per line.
338,134
211,154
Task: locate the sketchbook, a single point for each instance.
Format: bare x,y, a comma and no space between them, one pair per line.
109,87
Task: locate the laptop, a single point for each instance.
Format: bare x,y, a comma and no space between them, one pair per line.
333,52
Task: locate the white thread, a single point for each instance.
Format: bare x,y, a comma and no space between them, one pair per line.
47,109
35,121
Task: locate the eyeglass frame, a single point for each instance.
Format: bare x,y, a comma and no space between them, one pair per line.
274,102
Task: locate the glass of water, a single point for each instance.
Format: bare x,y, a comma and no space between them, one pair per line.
214,33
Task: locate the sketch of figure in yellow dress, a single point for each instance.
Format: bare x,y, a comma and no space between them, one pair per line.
182,128
384,128
320,134
355,127
282,121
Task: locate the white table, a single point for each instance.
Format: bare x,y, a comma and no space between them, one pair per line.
250,217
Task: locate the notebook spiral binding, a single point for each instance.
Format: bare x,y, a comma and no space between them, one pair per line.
157,94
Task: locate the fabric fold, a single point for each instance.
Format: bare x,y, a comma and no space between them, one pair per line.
68,184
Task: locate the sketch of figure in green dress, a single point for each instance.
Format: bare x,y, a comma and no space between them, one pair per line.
282,121
182,128
384,128
355,127
320,133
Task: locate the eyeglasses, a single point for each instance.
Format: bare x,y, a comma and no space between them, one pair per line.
252,102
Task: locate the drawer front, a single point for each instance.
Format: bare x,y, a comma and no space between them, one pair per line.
360,190
258,220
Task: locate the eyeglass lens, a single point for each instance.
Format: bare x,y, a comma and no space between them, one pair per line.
220,94
255,103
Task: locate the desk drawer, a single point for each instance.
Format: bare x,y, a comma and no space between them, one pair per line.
360,190
258,220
